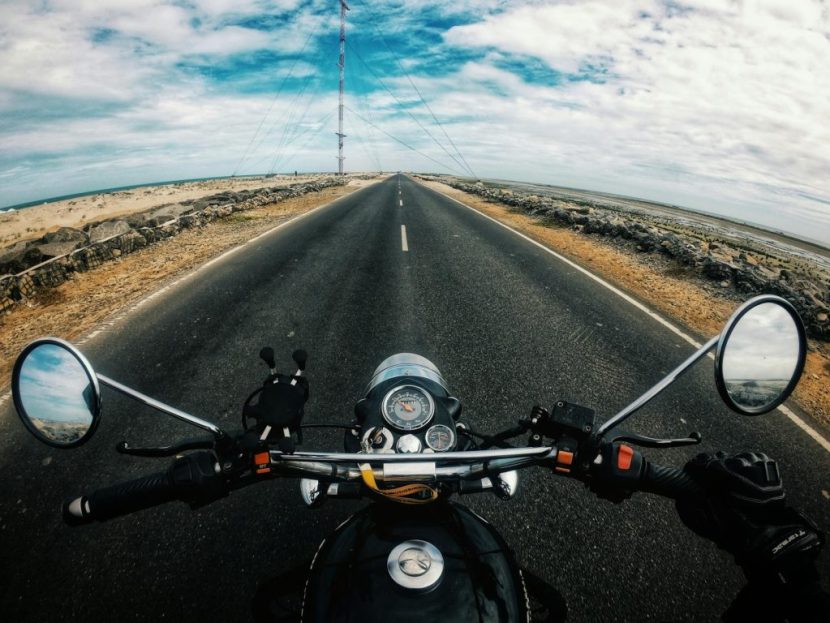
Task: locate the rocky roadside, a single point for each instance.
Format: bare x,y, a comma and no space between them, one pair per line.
729,262
680,292
29,267
90,299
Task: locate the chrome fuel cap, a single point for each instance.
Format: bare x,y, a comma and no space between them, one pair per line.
416,565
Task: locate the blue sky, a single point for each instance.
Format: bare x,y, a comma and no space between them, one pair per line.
716,105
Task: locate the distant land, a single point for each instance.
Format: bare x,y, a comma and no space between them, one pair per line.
102,191
658,205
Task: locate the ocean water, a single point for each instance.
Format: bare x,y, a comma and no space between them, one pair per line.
804,217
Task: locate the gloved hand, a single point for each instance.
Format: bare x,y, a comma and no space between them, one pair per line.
746,514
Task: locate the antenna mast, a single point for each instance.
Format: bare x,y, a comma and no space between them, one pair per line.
342,64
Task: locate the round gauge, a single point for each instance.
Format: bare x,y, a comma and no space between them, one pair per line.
408,407
440,438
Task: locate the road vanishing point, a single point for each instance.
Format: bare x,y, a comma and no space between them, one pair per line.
393,267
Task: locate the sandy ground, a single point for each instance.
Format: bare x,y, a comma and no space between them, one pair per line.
33,222
78,306
689,303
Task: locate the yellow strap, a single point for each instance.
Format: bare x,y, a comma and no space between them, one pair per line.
397,494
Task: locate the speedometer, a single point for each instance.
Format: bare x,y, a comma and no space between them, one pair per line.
440,438
408,407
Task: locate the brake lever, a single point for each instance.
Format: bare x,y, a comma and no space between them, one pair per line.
694,438
123,447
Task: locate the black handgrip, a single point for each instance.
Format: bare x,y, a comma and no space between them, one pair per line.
194,478
669,482
121,499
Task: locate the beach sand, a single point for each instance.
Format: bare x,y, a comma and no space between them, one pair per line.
33,222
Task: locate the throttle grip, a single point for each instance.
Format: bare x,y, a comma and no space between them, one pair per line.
623,470
669,482
121,499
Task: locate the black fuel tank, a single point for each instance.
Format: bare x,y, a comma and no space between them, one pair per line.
349,580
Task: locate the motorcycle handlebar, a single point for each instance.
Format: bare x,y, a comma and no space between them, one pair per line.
669,482
194,478
121,499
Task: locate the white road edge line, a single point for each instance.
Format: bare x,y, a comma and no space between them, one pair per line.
122,315
401,202
195,271
404,244
818,438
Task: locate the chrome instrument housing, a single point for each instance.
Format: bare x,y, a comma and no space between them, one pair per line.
406,365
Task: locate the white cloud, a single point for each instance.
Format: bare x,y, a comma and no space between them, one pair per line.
721,94
717,105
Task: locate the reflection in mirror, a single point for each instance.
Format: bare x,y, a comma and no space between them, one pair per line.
56,394
761,356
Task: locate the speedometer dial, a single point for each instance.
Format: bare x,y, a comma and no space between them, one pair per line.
408,407
440,438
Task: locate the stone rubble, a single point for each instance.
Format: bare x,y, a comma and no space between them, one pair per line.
806,287
30,266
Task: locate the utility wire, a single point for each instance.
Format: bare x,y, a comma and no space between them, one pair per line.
311,134
404,72
407,145
274,101
403,106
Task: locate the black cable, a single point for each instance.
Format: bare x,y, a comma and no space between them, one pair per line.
408,146
401,104
274,101
403,71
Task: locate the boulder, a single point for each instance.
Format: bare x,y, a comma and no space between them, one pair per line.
747,280
19,258
129,242
56,249
66,234
718,269
108,229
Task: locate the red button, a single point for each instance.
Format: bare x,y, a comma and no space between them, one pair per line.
624,456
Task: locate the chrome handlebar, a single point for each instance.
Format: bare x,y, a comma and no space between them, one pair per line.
415,467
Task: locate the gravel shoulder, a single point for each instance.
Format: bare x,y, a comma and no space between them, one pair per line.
89,299
701,307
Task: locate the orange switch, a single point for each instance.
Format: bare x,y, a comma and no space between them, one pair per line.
625,454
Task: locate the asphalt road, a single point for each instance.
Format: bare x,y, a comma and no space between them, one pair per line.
508,325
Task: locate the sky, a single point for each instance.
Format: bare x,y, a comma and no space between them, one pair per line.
764,345
53,386
715,105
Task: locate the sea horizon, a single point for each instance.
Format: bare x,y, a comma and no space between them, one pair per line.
760,226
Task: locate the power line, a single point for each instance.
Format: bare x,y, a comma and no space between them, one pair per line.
405,144
403,106
274,101
403,71
311,132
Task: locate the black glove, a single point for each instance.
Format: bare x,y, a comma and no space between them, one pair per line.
746,514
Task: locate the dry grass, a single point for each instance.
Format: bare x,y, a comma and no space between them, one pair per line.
78,306
668,291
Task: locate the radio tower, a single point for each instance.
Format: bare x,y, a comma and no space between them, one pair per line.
342,64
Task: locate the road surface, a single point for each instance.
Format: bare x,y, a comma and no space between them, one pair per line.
393,267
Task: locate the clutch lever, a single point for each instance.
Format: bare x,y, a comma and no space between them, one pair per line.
694,438
123,447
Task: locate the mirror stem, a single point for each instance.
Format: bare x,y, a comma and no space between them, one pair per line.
670,378
160,406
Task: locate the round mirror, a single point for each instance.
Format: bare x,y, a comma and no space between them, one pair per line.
760,355
56,393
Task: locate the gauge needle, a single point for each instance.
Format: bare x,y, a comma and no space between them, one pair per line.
407,406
